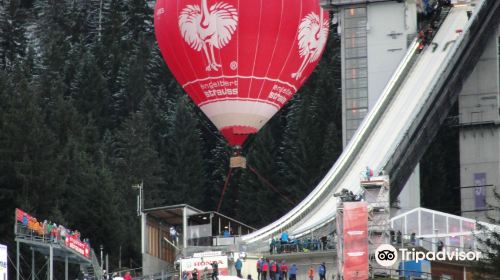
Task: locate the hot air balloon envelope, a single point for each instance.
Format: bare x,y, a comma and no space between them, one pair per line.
240,61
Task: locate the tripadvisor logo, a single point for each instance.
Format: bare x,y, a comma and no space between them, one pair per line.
387,255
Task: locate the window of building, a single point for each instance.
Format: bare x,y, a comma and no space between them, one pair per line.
355,32
356,63
357,93
356,83
356,73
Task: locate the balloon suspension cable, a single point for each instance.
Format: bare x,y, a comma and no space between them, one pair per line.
207,126
226,184
269,185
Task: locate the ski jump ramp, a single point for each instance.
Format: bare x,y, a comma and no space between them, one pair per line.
387,125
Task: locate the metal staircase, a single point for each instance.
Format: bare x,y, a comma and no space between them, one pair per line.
92,270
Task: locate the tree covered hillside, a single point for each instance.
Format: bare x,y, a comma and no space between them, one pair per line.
88,108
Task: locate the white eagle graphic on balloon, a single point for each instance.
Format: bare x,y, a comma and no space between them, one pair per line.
313,33
205,29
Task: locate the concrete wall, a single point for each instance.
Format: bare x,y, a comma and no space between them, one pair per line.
374,40
389,24
479,119
479,99
479,153
385,38
409,198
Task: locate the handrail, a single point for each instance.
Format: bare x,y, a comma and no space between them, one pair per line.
95,265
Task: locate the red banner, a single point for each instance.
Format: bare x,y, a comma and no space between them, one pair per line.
355,240
77,245
20,214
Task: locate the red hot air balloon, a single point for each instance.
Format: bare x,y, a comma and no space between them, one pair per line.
240,60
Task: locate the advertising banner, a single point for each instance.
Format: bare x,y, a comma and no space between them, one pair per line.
204,265
77,245
3,262
480,190
22,216
355,234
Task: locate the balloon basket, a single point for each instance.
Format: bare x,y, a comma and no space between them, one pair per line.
238,161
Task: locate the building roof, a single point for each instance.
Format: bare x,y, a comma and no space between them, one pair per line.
172,214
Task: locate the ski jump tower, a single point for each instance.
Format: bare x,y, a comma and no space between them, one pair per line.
376,204
375,36
376,194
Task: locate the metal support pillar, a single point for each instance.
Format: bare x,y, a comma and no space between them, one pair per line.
51,263
17,261
107,266
102,261
66,268
184,228
33,275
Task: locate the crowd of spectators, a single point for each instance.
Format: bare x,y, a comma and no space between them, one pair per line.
429,18
46,230
285,244
206,274
278,270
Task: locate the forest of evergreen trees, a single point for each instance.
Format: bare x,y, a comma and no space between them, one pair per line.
88,108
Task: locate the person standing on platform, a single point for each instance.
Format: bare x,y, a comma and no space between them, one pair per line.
278,271
293,272
206,275
54,233
284,270
237,265
127,276
215,271
272,270
173,235
322,271
284,237
259,267
265,269
310,273
194,274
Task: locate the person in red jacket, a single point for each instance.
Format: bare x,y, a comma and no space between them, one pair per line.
127,276
310,273
272,272
265,269
284,270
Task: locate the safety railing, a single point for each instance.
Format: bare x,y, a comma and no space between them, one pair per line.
98,272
